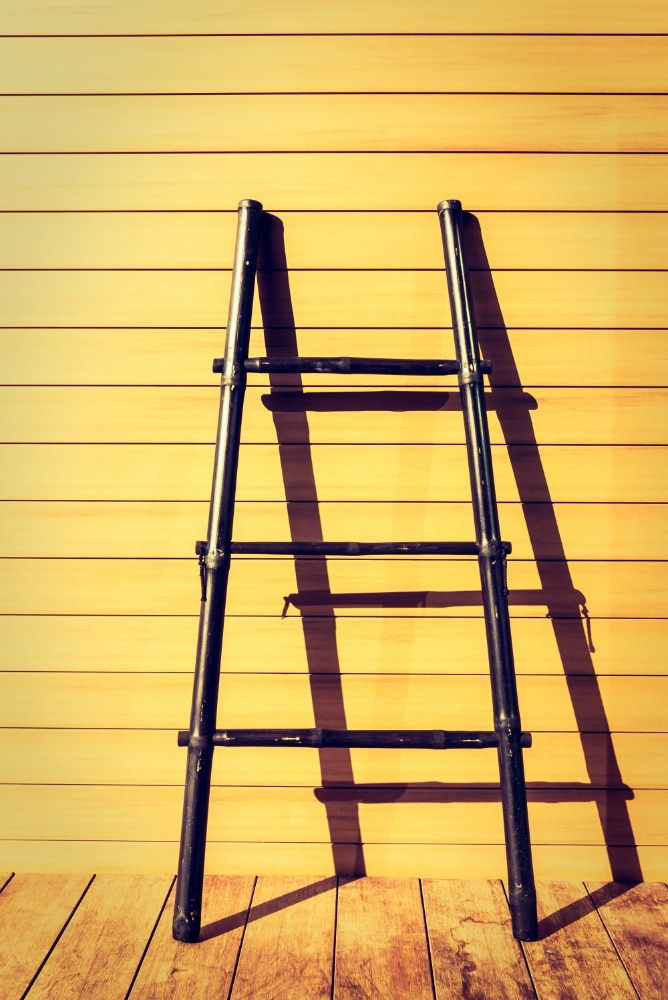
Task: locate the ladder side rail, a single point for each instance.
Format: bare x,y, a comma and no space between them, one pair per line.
214,559
492,564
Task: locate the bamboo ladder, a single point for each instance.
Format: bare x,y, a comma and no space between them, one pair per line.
215,554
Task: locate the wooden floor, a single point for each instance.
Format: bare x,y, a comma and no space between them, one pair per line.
109,936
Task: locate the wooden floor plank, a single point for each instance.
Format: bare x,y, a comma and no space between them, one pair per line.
473,952
574,956
381,942
288,946
101,948
28,928
173,970
636,918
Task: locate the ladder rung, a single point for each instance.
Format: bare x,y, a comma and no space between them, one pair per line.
350,366
420,739
355,548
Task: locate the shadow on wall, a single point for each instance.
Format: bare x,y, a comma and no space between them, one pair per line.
565,606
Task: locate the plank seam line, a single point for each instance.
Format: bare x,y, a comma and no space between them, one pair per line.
335,270
437,329
8,879
334,93
362,787
328,843
242,938
57,939
150,939
334,152
612,940
428,940
335,938
348,34
331,211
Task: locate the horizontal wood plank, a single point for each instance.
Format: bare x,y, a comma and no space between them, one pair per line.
188,415
334,181
183,357
172,968
168,530
492,123
299,16
145,757
422,473
297,815
29,928
357,587
429,861
531,299
162,701
343,63
409,646
101,948
396,240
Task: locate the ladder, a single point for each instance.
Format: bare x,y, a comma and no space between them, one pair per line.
214,562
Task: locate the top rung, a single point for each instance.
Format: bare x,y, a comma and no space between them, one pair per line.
352,366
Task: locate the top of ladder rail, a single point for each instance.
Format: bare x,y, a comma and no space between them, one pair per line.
353,366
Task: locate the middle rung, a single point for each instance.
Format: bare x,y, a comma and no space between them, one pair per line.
351,366
372,739
352,548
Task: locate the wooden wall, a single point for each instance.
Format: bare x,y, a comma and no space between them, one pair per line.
131,131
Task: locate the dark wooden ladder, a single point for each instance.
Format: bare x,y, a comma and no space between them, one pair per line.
214,561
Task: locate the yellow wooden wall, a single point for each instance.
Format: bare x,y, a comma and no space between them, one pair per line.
131,131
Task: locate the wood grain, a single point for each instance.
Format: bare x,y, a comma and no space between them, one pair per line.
149,757
561,861
317,240
423,473
172,969
417,816
183,357
473,952
28,927
574,955
130,530
102,946
301,16
636,917
374,298
366,587
381,948
146,644
138,415
344,63
288,946
162,701
333,122
348,181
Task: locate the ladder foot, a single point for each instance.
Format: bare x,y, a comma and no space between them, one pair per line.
185,927
523,915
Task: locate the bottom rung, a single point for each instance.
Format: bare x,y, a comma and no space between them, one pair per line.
415,739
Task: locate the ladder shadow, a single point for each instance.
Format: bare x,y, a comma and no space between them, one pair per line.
570,620
315,602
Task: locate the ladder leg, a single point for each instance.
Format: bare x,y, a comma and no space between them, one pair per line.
491,559
214,557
